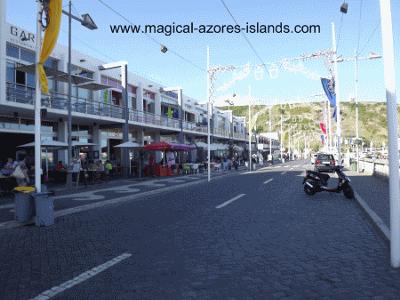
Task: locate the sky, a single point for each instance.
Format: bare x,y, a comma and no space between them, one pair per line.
359,28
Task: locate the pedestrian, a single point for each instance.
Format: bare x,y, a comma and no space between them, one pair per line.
108,168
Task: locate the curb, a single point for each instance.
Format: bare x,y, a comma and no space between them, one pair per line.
374,218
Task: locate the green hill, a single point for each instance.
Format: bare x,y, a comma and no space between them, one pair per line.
304,119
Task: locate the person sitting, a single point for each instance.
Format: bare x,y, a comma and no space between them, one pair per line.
60,167
9,167
21,174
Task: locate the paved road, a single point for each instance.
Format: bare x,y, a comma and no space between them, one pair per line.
248,236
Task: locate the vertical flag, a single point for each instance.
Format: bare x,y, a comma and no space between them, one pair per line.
50,40
329,89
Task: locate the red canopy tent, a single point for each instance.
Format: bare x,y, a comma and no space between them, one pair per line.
166,146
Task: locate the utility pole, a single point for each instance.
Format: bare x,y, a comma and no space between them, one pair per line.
281,135
392,119
38,103
270,133
290,143
337,92
356,103
208,115
250,128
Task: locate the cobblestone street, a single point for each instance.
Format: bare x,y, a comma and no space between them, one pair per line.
272,242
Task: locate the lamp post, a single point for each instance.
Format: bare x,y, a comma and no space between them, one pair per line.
87,22
337,91
208,115
356,58
270,134
123,65
281,141
38,100
250,128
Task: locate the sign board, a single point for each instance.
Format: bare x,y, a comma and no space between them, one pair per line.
260,146
20,37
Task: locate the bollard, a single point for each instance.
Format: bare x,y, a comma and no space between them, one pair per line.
44,209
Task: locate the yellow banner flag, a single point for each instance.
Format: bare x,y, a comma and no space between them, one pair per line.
50,40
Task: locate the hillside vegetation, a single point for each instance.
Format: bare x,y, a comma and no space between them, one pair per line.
304,119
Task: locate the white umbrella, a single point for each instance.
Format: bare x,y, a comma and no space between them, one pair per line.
128,145
46,144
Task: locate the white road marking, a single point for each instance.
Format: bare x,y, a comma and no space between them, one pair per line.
284,172
230,201
291,169
268,181
286,166
54,291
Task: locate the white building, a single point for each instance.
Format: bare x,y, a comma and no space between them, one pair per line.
97,109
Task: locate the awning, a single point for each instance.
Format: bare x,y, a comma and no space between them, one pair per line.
128,145
165,146
46,144
54,73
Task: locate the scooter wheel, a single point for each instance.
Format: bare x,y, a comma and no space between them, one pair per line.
309,190
348,192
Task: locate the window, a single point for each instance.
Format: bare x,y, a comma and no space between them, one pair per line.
20,77
30,80
133,101
12,51
10,73
28,55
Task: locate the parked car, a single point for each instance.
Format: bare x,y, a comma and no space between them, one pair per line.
325,163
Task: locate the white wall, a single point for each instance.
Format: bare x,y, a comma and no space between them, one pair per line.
3,50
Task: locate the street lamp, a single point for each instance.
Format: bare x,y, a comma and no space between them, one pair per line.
87,22
123,65
356,58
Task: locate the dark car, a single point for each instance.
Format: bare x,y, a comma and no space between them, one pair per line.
325,163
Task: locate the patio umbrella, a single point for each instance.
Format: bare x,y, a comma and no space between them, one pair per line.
46,145
129,145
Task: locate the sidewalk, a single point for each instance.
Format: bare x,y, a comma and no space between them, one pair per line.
374,191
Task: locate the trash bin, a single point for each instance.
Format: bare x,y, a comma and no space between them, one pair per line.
44,205
24,205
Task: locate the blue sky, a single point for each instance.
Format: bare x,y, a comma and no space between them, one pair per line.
145,58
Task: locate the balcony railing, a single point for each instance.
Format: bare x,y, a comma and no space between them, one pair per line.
23,94
26,95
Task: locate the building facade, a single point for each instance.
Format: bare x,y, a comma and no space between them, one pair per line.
97,104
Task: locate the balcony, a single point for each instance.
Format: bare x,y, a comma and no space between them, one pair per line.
23,94
26,95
